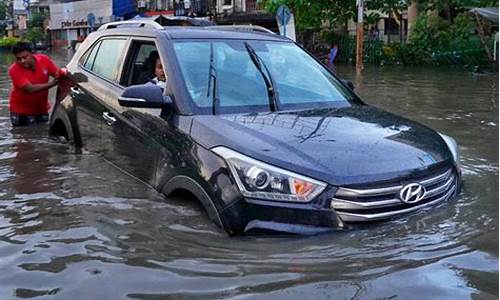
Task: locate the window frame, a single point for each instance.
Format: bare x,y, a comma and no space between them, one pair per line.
350,98
132,51
120,61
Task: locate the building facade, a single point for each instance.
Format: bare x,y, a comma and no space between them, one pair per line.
72,21
244,12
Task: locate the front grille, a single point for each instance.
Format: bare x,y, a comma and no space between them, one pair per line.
376,203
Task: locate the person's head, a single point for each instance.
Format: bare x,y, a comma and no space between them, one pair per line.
159,72
24,55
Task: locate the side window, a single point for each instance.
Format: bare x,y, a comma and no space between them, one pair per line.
140,64
106,61
88,59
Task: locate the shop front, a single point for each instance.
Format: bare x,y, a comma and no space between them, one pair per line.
71,22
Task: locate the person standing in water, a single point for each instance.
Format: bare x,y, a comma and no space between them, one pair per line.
30,75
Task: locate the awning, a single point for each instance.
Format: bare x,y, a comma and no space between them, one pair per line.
490,13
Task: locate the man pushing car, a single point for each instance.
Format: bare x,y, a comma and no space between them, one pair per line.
30,75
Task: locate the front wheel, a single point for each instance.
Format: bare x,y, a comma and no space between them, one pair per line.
61,126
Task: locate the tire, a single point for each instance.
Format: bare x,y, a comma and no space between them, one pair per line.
61,126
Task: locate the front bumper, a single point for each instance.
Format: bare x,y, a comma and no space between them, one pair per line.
337,206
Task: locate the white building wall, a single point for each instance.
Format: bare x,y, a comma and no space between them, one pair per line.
78,11
235,6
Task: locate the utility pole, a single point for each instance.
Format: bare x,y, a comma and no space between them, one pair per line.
360,37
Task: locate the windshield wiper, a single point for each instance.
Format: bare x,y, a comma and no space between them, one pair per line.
272,93
212,76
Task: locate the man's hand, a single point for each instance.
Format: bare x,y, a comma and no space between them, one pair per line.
53,82
34,88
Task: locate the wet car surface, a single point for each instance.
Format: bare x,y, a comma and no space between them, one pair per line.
273,143
72,226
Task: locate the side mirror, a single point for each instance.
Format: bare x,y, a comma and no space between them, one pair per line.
348,84
143,95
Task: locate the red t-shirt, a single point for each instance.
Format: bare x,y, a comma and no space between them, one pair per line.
34,103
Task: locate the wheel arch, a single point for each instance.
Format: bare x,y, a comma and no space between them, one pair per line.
63,123
185,183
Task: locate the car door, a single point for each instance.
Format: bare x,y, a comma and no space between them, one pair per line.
100,66
128,134
86,97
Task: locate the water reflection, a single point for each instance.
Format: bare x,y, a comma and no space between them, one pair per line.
73,227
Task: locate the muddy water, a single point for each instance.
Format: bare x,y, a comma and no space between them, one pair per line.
73,227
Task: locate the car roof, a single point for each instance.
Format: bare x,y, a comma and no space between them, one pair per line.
197,32
215,32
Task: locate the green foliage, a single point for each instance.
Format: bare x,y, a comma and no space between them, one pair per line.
6,42
308,15
3,10
432,35
35,35
443,25
36,20
456,4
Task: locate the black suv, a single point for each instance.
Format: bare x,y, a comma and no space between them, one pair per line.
257,129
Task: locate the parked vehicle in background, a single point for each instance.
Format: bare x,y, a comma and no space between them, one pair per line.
258,130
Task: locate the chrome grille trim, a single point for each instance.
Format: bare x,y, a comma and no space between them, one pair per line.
360,205
353,217
441,188
348,192
347,204
350,204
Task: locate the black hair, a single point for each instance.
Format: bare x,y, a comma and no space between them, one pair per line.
20,47
150,63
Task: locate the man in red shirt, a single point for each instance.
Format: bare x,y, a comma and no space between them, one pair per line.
30,79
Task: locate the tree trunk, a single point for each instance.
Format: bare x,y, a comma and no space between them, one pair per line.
412,18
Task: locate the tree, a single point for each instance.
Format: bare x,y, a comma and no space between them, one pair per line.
3,16
450,8
36,20
35,35
3,10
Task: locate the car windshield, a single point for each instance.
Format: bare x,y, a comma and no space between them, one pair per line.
248,76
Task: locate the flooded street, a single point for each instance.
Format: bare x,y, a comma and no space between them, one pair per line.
74,227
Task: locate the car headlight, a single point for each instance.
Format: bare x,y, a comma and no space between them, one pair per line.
259,180
453,146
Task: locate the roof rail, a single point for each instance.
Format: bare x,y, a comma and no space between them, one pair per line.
137,23
241,28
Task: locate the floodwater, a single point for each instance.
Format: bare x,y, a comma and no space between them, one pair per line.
74,227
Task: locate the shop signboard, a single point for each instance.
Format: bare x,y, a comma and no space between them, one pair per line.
21,7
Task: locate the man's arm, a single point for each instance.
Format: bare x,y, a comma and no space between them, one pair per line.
33,88
54,71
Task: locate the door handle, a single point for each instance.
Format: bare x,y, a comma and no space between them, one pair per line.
108,118
76,91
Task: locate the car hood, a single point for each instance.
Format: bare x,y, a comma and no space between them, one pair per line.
340,146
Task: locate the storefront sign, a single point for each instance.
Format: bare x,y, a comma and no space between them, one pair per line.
74,23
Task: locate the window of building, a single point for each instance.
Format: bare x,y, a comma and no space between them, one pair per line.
227,2
392,27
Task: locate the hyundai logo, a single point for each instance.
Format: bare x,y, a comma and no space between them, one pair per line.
412,193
